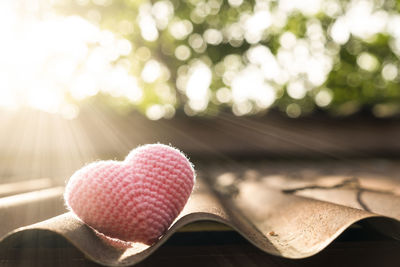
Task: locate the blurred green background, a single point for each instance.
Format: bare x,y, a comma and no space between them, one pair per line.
207,56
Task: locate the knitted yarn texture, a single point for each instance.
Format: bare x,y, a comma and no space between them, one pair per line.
136,199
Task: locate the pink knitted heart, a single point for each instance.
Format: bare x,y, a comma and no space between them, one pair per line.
136,199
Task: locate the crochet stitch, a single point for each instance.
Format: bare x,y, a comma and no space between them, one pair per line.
134,200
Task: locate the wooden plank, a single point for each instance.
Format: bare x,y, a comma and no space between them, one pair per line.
28,208
20,187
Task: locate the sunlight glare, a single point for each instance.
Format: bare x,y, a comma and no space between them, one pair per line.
197,87
147,24
367,61
151,71
155,112
323,98
389,72
44,60
249,85
256,24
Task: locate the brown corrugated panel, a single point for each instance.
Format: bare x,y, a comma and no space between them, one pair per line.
292,209
250,178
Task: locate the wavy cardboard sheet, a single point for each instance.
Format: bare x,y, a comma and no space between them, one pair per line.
288,222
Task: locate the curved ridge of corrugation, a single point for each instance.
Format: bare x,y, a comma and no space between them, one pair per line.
93,247
300,227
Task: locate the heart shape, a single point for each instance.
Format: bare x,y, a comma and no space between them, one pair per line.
134,200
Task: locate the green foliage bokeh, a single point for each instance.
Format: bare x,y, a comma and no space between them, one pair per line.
347,88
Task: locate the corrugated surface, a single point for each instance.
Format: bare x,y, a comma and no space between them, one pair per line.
290,209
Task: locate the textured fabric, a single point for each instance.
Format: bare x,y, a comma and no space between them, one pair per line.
136,199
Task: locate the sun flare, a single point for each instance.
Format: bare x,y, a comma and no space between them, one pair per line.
51,62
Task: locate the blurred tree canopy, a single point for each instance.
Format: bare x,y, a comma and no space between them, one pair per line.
250,56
